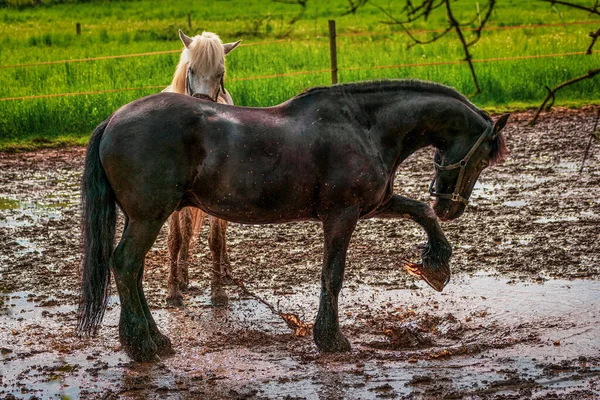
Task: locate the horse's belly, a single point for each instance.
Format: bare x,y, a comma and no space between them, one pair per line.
255,198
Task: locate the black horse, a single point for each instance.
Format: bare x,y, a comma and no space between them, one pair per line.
329,154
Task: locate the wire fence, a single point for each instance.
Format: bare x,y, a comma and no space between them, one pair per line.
295,73
312,72
268,42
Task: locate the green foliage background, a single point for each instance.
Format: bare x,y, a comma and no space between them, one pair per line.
34,31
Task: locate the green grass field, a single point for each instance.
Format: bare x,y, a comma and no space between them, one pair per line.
47,33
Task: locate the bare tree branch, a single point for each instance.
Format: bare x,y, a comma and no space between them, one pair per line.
552,92
594,135
595,9
551,95
594,36
424,9
354,5
302,4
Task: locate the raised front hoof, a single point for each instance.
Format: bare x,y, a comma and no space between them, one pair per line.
435,269
164,347
332,344
219,299
175,300
436,278
146,351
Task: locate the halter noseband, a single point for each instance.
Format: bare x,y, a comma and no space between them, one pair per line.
462,164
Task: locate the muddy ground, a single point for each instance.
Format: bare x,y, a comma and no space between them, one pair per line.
520,319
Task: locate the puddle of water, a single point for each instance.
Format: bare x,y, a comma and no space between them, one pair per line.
568,166
557,310
548,220
485,191
22,213
515,203
590,214
27,247
8,204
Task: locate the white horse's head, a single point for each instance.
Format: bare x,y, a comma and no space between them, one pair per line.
201,67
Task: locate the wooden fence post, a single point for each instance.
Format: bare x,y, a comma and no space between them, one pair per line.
333,52
78,28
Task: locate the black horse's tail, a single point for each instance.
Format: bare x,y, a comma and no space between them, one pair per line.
98,209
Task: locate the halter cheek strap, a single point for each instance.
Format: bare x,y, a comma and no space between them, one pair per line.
462,164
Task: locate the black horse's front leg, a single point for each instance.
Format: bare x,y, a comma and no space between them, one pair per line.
436,253
338,228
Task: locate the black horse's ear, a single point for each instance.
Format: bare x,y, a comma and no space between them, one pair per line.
500,123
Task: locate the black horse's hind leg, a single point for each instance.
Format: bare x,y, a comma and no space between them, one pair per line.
436,253
136,331
162,342
338,229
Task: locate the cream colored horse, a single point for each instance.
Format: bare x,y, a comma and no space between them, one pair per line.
200,73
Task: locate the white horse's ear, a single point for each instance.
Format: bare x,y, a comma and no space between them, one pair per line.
186,40
230,46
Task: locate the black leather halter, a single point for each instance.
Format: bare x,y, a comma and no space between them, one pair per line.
462,164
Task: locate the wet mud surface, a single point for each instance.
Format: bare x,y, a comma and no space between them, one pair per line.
519,319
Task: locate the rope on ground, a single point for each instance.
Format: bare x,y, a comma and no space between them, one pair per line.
293,321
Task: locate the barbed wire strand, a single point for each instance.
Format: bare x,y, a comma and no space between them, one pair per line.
312,72
154,53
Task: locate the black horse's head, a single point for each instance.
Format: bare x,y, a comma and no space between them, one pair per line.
458,167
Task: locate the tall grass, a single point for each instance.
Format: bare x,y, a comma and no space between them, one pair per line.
47,33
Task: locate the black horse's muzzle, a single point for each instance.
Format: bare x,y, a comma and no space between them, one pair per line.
458,202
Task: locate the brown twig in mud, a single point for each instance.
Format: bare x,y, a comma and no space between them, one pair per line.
293,321
594,135
552,92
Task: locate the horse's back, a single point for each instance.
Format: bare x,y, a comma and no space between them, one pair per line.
149,148
242,164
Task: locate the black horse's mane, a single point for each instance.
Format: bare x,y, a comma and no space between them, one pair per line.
384,85
499,149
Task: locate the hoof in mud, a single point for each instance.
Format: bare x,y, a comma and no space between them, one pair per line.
145,352
336,344
175,301
164,347
219,299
